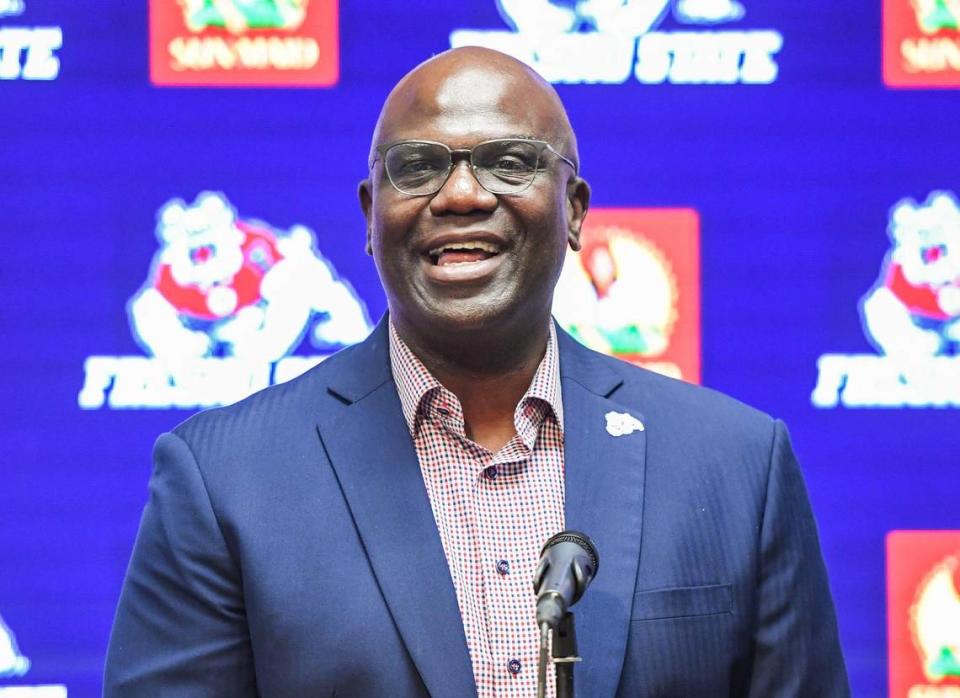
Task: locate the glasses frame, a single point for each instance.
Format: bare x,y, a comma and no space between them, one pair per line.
468,154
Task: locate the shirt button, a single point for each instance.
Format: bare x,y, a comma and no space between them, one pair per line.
514,666
491,472
503,567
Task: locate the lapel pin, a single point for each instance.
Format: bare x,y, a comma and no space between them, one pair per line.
621,423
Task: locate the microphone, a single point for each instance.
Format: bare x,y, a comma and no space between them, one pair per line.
568,563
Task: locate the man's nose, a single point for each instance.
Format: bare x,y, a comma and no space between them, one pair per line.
462,193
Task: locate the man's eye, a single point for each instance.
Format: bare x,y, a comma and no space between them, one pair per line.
510,163
418,167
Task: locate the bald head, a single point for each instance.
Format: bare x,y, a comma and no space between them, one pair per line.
471,90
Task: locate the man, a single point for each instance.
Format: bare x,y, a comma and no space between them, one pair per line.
371,528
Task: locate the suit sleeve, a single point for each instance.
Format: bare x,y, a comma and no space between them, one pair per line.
180,627
797,649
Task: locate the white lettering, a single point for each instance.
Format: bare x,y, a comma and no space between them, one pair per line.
13,40
870,380
290,367
712,57
253,53
585,58
653,58
47,691
928,691
257,53
930,55
37,46
708,57
657,57
41,64
758,65
832,373
561,58
138,382
99,372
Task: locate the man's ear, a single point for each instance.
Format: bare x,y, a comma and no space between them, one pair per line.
366,205
578,201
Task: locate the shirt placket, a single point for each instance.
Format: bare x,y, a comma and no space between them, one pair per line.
509,557
493,512
466,542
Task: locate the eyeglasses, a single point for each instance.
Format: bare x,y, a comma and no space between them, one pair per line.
501,166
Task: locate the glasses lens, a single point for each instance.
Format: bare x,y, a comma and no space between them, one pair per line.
417,168
505,167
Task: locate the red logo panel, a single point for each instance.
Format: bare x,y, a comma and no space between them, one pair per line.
921,43
923,609
633,290
273,43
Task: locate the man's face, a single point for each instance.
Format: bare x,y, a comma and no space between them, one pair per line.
464,258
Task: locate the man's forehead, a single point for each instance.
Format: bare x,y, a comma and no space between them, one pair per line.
470,88
476,94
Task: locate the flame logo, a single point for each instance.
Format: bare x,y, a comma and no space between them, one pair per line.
935,621
238,16
934,15
597,296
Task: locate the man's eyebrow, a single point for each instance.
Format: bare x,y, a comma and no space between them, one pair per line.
523,136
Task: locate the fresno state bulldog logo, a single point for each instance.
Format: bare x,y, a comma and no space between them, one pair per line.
655,41
559,16
914,310
221,286
612,16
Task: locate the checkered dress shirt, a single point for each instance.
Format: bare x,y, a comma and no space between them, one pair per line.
493,511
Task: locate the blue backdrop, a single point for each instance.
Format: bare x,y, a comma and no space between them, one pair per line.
794,181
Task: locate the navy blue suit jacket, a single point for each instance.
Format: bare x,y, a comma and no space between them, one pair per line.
288,548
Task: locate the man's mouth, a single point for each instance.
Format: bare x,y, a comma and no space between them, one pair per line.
468,252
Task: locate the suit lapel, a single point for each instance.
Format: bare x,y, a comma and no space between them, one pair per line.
604,480
371,451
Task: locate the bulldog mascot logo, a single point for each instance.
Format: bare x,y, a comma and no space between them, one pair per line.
221,286
914,310
611,16
607,41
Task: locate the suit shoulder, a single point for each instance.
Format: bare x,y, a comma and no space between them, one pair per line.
702,409
271,410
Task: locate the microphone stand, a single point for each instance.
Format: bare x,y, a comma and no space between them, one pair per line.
564,655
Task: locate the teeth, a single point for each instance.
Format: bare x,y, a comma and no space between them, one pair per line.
471,245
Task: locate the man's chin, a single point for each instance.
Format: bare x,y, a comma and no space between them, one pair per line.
467,315
478,316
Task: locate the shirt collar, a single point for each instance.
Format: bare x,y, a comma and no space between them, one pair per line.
415,383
